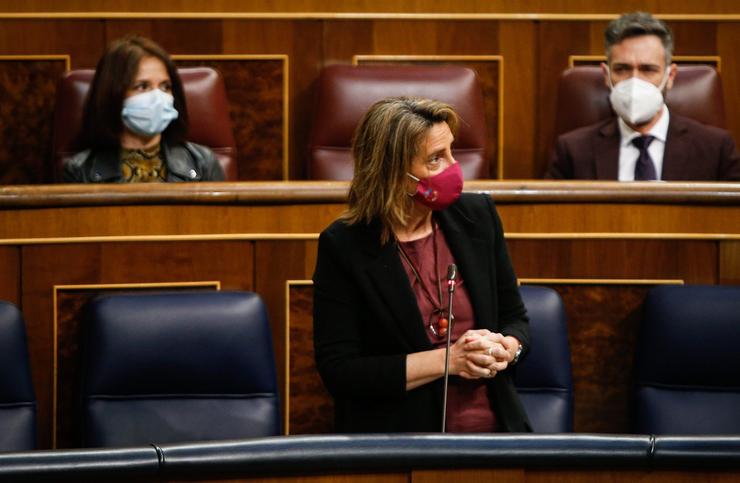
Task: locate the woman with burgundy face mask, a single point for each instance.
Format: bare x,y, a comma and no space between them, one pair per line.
135,122
381,291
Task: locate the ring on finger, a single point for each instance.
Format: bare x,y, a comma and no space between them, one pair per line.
490,351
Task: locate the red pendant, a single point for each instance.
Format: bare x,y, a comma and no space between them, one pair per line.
443,325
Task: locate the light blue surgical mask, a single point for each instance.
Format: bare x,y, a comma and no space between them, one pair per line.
149,113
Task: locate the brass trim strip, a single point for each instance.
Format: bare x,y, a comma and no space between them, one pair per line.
357,59
286,404
286,91
729,17
315,236
55,327
160,238
599,281
65,57
623,236
715,59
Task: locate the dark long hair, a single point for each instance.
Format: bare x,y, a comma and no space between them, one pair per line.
116,71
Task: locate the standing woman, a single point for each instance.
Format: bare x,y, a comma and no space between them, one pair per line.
380,296
135,122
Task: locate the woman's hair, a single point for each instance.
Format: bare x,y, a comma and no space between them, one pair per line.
385,143
116,72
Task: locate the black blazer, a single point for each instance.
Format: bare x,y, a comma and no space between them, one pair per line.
693,152
366,320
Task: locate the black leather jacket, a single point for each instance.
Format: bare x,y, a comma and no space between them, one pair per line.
185,162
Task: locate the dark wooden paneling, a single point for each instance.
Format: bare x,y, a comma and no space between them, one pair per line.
186,36
82,39
46,266
27,90
255,92
603,323
520,98
10,271
693,38
301,41
728,38
729,263
311,408
276,262
690,261
555,42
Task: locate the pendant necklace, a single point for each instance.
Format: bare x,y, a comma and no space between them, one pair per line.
437,322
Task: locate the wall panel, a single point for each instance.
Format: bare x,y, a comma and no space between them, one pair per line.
27,91
555,42
257,90
277,261
520,97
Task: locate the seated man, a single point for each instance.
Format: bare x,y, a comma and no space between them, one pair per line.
645,141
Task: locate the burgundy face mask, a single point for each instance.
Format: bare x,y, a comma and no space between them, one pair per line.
441,190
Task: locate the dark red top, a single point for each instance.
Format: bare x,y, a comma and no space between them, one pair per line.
468,407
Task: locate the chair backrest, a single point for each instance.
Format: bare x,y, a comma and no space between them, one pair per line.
208,114
583,97
686,368
543,378
346,92
185,366
17,399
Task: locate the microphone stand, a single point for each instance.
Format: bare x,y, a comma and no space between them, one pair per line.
451,279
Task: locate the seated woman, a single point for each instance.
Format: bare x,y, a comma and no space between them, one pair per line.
135,122
380,287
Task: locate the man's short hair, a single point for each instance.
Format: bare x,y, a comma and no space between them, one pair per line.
635,24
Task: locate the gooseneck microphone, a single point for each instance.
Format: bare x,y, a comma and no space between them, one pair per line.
451,281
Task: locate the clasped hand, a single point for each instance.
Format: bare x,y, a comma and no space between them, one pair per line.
481,354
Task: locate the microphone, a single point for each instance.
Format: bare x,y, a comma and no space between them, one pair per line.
451,282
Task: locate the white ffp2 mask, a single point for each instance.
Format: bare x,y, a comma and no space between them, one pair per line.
636,100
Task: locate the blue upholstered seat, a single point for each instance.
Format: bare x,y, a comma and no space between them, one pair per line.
688,361
172,367
543,378
17,399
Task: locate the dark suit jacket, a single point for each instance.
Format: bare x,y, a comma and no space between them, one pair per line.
366,320
693,152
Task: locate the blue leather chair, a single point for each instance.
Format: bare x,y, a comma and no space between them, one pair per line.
543,378
173,367
687,368
17,398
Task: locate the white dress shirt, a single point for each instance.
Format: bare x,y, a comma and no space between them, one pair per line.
628,152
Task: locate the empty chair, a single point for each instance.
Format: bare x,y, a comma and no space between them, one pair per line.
208,115
583,97
172,367
687,369
346,92
543,378
17,399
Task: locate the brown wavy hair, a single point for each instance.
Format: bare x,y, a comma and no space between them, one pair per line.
385,143
116,71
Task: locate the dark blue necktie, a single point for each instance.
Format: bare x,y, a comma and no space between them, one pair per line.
644,169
